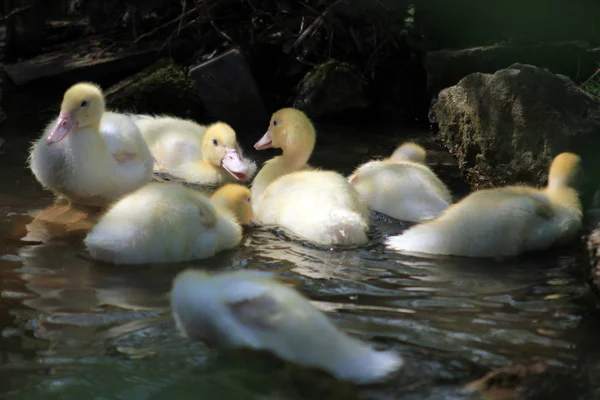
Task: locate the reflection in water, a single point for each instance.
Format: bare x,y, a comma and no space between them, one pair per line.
74,328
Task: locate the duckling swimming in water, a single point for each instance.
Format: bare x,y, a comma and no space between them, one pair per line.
168,222
318,205
199,154
402,186
88,155
248,309
504,221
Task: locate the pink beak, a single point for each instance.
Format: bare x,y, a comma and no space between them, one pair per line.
65,124
234,164
264,142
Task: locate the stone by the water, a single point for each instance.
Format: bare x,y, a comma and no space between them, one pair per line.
507,127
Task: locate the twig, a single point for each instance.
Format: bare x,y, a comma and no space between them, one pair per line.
590,78
222,34
15,12
183,5
171,22
314,25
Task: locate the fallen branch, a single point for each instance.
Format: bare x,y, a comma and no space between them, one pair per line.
171,22
15,12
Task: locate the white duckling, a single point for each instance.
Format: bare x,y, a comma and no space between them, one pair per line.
402,186
248,309
504,221
88,155
168,222
199,154
318,205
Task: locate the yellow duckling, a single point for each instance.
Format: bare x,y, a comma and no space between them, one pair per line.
318,205
402,186
248,309
208,155
409,151
168,222
89,155
504,221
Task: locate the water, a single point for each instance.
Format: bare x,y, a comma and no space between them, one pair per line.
72,328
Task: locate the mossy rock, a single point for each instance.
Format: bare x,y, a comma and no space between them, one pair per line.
330,89
506,127
163,88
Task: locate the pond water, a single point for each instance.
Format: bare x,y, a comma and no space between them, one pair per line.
71,328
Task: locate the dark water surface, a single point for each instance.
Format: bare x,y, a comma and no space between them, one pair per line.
71,328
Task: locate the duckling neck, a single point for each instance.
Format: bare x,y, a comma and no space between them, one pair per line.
200,171
296,160
89,143
564,195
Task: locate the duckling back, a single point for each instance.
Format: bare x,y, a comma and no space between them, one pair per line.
404,190
171,140
318,205
409,152
247,309
488,223
161,222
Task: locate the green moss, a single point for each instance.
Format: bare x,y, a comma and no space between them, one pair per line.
163,88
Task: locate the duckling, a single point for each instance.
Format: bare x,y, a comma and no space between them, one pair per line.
248,309
409,151
168,222
320,206
504,221
88,155
199,154
402,186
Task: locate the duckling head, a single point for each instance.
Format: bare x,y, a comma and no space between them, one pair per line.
409,152
82,107
291,131
237,199
565,171
220,148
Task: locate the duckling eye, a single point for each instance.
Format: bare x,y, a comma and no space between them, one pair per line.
274,123
215,142
248,199
84,103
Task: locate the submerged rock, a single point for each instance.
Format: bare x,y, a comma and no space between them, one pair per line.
331,88
528,382
163,88
507,127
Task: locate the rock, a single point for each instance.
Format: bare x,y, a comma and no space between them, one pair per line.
331,88
593,250
446,67
227,88
528,382
162,88
507,127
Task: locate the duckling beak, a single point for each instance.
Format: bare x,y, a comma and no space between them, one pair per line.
65,124
264,142
234,164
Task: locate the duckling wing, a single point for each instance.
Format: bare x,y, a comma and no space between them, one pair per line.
207,212
260,311
122,137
